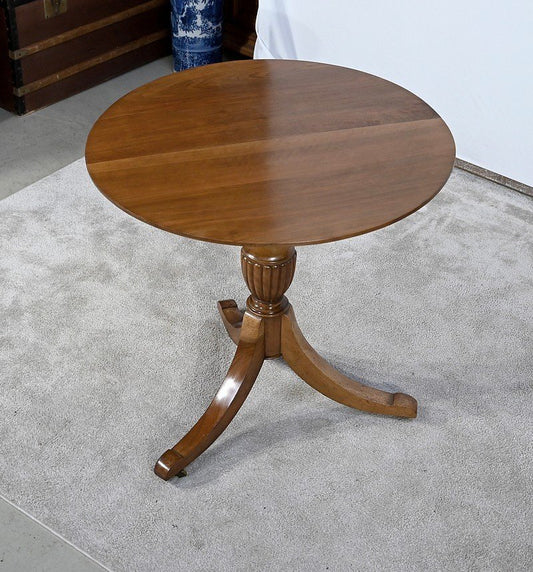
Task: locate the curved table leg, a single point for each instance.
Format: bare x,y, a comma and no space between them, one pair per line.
320,375
231,318
228,400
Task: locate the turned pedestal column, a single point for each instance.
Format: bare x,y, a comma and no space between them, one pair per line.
268,273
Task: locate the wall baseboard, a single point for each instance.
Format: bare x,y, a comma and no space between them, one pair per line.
492,176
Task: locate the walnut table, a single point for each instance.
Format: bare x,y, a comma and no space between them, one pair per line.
269,155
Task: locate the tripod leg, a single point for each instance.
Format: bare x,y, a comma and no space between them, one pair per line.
323,377
228,400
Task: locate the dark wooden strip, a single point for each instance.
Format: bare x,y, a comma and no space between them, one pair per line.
82,66
85,29
12,77
17,3
34,27
6,73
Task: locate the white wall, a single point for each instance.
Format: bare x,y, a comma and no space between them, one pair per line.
471,60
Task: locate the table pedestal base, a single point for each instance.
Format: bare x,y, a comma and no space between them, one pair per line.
268,329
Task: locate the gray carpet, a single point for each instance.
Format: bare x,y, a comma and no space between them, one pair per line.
111,347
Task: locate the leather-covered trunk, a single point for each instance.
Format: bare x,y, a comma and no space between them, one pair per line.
51,49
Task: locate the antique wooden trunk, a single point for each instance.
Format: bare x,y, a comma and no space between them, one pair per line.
51,49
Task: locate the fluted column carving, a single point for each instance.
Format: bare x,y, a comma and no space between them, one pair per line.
268,273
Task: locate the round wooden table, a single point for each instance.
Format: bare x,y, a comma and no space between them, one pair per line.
268,155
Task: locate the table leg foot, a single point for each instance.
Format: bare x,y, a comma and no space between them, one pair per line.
323,377
227,402
170,464
231,318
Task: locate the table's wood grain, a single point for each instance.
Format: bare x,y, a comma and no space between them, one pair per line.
270,152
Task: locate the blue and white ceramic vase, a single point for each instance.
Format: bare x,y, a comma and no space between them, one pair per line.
196,32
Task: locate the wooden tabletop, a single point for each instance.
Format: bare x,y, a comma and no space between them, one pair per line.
270,152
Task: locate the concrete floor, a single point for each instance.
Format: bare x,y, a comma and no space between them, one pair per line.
32,147
42,142
27,545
